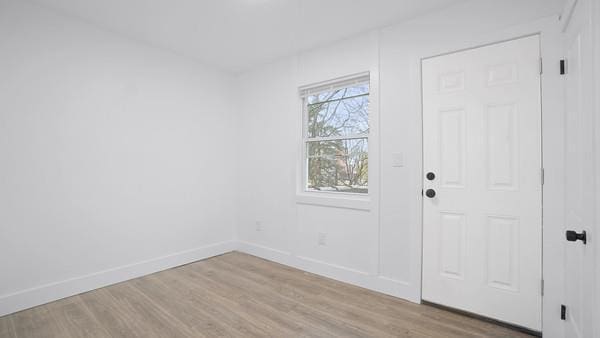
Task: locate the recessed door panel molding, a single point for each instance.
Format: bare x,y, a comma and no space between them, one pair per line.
502,74
452,147
452,82
502,243
482,212
502,132
452,244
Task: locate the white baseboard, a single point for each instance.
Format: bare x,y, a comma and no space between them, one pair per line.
274,255
43,294
24,299
363,279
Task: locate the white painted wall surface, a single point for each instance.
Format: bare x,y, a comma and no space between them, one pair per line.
379,248
107,158
270,130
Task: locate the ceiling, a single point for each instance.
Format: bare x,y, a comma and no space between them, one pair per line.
235,35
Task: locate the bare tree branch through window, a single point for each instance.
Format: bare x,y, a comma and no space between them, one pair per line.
336,135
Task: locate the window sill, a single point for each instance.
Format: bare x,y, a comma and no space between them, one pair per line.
344,201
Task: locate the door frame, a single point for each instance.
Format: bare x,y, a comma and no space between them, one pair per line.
541,154
552,101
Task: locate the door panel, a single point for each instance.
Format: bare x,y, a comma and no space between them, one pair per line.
501,140
502,259
452,147
580,194
482,139
452,245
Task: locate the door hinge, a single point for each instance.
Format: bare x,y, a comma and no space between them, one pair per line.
563,67
563,312
541,66
542,174
542,287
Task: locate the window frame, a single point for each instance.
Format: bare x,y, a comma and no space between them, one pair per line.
305,92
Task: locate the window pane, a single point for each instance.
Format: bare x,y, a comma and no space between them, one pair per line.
342,112
338,166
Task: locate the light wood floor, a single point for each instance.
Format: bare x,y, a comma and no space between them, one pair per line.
238,295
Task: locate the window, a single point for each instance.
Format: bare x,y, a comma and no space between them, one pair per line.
336,136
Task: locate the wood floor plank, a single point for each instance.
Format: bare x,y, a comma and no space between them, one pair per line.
266,289
238,295
117,320
352,312
37,322
419,317
149,319
333,301
184,305
226,304
244,312
71,315
258,296
266,294
7,329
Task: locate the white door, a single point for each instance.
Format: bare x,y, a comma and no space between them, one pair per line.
482,231
579,175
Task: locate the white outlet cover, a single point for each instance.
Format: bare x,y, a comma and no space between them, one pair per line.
322,238
398,160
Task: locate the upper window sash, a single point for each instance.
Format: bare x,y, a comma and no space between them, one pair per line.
313,100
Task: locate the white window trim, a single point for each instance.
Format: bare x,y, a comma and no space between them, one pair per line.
337,200
347,200
327,86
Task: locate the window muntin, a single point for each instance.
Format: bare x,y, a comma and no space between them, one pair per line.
336,136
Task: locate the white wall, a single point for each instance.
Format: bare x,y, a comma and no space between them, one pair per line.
269,128
376,243
107,158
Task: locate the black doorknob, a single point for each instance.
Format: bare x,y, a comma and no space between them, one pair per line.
573,236
430,176
430,193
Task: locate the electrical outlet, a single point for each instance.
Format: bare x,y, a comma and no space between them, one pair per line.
258,225
397,160
322,239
